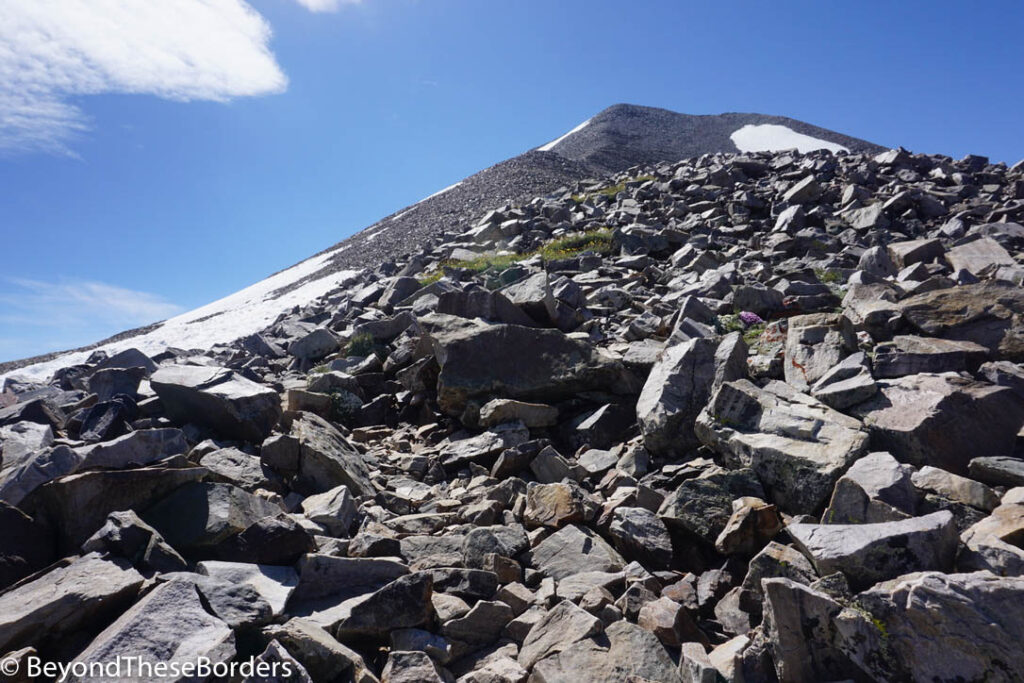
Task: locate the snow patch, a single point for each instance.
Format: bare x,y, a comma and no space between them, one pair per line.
551,145
237,315
439,192
770,137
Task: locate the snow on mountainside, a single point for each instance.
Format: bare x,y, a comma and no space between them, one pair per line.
551,145
237,315
768,137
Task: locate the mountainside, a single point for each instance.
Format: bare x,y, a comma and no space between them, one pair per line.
614,140
740,417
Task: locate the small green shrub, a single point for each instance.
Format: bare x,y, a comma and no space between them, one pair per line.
360,345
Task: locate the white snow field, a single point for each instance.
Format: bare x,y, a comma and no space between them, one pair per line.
551,145
770,137
236,315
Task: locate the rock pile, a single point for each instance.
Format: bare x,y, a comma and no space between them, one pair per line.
741,417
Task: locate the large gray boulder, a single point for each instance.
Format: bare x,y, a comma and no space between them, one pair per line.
564,625
72,595
574,549
135,449
938,627
217,398
327,459
868,553
169,625
679,386
877,488
814,344
987,313
942,420
797,446
484,361
625,652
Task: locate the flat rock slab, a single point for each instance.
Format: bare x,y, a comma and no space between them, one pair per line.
868,553
168,625
227,403
797,446
66,598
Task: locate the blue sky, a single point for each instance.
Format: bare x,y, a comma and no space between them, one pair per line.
191,157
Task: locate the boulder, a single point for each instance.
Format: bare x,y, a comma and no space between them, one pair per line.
73,594
169,625
562,626
479,360
797,446
197,517
135,449
987,313
327,459
319,653
993,543
335,510
997,470
273,583
125,535
876,488
703,505
815,343
625,652
219,399
532,415
801,634
403,603
926,627
910,355
25,545
942,420
640,535
981,256
573,549
956,488
869,553
314,345
678,388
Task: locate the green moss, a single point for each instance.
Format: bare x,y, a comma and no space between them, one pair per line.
360,345
827,276
599,240
611,190
753,333
318,370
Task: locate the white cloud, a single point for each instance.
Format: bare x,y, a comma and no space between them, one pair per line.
79,304
326,5
54,50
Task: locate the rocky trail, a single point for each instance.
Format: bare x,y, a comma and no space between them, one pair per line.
742,417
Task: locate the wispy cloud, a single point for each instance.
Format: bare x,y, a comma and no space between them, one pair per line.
54,50
78,304
326,5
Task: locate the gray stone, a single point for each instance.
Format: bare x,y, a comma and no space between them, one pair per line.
70,596
170,624
815,343
532,415
410,667
941,420
679,386
796,445
327,459
956,488
510,361
876,488
227,403
980,256
335,510
573,549
997,470
639,534
798,624
703,505
274,584
846,384
126,535
626,652
314,345
909,355
869,553
562,626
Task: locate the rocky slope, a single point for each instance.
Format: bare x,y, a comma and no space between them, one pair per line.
614,140
740,417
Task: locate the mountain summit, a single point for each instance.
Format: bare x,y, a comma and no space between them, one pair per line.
627,135
614,140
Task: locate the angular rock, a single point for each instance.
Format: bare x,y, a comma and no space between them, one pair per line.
335,510
876,488
510,361
909,355
532,415
815,343
135,449
70,596
956,488
703,505
997,470
227,403
639,534
562,626
869,553
573,549
168,625
626,652
327,459
797,446
942,420
679,386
